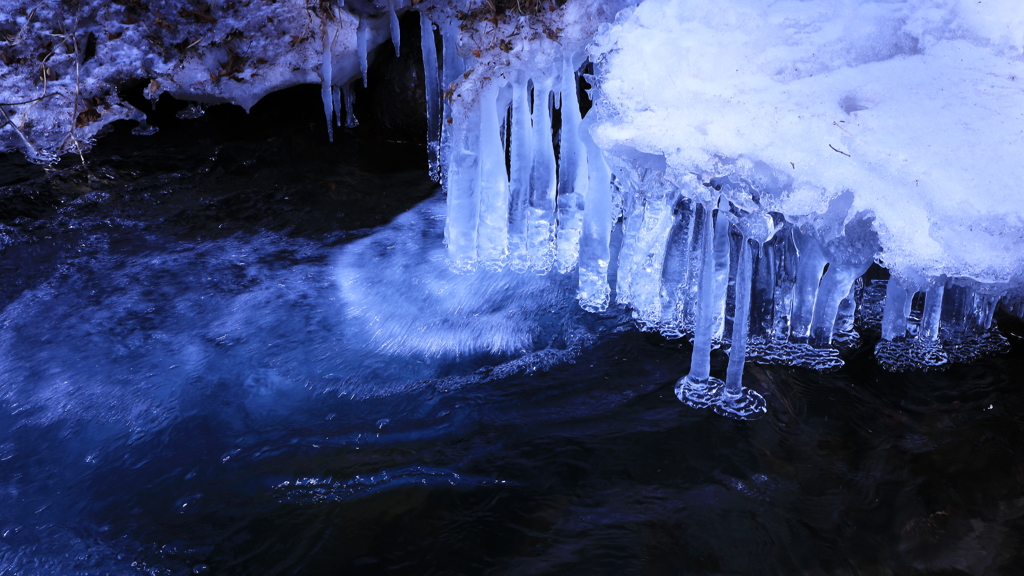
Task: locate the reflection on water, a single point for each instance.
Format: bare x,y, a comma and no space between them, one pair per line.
244,355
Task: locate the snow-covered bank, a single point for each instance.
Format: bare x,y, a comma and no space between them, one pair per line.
61,64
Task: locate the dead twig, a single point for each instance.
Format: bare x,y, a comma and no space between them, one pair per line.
838,150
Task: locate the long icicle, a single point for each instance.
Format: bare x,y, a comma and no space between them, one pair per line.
741,317
432,91
362,31
492,223
396,32
543,184
737,401
327,79
696,388
521,165
572,174
595,249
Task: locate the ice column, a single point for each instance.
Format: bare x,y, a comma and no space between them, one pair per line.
452,68
896,311
737,401
542,181
595,252
721,271
811,264
572,173
521,164
463,188
835,286
698,388
492,228
930,318
647,222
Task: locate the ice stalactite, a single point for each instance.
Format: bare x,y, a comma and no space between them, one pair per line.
326,83
336,93
521,160
396,33
573,175
432,94
598,219
362,48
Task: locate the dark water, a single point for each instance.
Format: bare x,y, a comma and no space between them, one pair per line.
222,352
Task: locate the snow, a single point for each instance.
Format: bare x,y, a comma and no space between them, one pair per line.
206,53
916,107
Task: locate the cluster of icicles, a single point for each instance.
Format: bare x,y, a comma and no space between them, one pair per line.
528,189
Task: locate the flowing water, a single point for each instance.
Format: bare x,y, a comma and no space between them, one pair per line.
231,348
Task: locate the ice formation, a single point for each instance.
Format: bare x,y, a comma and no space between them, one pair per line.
756,158
729,170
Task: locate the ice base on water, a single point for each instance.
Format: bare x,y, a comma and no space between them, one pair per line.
735,190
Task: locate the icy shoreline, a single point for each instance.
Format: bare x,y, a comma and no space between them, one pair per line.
755,159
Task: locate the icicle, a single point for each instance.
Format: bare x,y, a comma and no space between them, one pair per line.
809,271
362,31
896,311
572,174
595,253
336,97
932,311
985,309
492,228
741,316
350,112
697,388
521,164
431,88
785,280
326,75
463,192
629,253
396,32
763,292
835,285
452,70
642,257
678,280
737,401
543,185
721,270
846,317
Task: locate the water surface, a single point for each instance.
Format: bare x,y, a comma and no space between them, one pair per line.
233,349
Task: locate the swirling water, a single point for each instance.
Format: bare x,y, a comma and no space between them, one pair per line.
241,352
